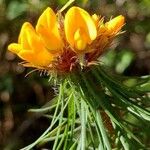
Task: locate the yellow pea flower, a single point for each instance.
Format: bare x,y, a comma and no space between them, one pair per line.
106,33
30,47
80,29
110,29
50,46
47,28
115,24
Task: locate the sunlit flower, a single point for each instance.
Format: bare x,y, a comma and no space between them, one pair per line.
80,29
47,28
106,33
30,47
61,43
114,26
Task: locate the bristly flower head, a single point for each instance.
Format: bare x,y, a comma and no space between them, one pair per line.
62,43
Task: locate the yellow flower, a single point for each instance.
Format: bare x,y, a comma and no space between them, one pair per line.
47,28
30,47
110,29
50,46
106,33
114,25
80,29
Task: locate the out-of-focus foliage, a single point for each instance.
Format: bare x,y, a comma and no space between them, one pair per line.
129,55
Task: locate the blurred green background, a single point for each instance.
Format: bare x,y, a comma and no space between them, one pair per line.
128,55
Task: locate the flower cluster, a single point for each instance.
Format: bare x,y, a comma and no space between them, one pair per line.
62,43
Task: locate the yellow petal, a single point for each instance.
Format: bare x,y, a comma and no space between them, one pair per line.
47,27
26,55
77,18
29,39
22,31
96,19
34,40
43,58
23,35
47,19
116,23
14,47
80,43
